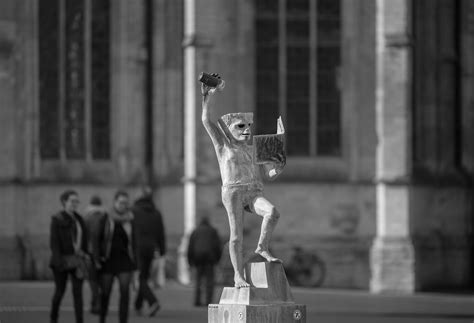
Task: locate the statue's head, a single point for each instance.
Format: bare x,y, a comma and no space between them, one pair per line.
239,125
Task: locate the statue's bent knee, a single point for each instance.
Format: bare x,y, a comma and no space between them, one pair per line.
273,214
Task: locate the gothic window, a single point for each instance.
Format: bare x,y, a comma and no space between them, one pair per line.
74,79
437,115
298,57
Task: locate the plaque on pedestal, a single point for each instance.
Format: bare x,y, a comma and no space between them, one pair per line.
267,300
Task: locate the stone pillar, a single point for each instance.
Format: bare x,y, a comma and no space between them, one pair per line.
128,63
190,84
392,255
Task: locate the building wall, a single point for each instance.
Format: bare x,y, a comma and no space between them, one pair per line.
8,81
441,226
441,195
328,206
10,132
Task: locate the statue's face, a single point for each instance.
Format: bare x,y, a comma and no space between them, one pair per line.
241,129
239,125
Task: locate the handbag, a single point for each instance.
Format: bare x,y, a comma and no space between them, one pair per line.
158,271
70,262
80,263
83,269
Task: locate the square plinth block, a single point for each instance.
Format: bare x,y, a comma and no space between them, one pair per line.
272,313
268,285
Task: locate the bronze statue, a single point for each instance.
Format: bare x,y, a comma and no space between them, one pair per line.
242,187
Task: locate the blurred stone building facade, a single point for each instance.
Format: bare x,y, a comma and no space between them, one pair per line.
377,97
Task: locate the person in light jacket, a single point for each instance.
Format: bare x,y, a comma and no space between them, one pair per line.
114,252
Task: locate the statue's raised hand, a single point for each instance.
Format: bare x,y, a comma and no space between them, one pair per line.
207,90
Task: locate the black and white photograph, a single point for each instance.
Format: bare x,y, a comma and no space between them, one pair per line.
227,161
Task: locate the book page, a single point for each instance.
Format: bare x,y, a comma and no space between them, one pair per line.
267,147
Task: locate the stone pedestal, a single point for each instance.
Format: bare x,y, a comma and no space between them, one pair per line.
267,300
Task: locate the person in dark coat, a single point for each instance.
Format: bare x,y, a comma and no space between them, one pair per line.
68,243
150,238
115,250
93,214
204,252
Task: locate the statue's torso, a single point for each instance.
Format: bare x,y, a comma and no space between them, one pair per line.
236,165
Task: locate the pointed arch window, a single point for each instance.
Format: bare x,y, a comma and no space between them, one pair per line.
74,79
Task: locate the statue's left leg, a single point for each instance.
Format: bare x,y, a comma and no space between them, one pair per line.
265,209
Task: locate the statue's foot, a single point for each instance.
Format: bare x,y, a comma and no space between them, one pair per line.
239,282
268,257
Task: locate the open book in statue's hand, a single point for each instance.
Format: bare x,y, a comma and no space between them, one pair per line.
270,148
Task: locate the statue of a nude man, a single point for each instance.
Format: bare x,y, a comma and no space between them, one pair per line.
242,186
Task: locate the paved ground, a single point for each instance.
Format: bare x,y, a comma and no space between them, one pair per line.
25,302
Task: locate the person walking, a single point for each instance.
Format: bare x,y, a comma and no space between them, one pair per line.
68,243
114,251
204,252
94,212
150,239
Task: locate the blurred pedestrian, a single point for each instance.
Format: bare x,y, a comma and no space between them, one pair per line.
94,212
68,243
115,252
204,252
150,240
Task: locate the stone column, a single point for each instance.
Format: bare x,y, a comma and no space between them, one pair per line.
128,63
190,84
392,255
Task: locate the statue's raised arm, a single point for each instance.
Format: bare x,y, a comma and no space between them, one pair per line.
211,126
